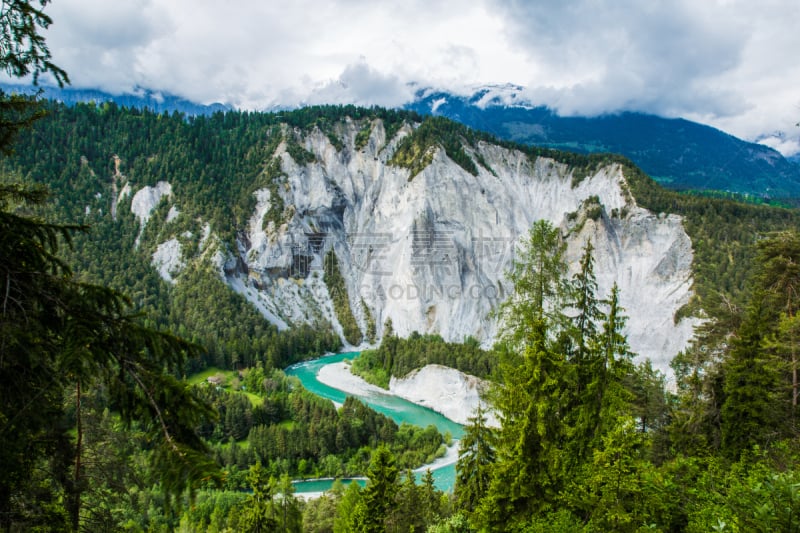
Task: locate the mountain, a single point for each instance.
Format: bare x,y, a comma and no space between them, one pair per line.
678,153
156,101
330,221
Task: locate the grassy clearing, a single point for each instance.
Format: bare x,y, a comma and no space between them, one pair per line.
229,377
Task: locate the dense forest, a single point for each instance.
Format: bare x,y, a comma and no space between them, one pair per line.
397,357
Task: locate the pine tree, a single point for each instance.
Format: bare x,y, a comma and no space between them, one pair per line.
748,416
533,395
378,497
779,273
582,344
258,516
762,364
588,314
348,509
476,456
539,287
289,518
408,511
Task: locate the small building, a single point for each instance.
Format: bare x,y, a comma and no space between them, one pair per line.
215,380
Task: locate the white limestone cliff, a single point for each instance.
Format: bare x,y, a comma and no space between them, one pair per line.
447,391
145,201
431,252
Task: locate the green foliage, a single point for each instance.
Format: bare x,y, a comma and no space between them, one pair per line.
57,332
319,514
397,357
277,210
568,428
416,151
369,366
341,301
538,277
235,333
476,455
346,510
370,320
300,155
362,137
756,493
24,48
259,514
378,496
593,207
608,494
534,382
292,430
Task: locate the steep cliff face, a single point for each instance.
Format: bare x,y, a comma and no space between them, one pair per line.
430,251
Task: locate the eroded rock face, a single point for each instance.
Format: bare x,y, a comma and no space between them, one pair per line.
145,201
147,198
167,260
447,391
431,252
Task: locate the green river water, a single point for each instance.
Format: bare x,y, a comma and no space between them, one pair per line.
396,408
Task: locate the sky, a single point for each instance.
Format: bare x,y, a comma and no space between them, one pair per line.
732,64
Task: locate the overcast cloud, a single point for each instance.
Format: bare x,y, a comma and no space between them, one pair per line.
728,63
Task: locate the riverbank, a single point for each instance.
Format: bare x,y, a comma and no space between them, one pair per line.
338,376
328,378
447,391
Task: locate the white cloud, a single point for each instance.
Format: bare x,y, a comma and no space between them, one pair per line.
781,144
728,63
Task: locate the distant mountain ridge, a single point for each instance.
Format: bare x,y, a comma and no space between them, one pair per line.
156,101
678,153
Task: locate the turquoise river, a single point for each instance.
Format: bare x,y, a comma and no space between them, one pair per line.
396,408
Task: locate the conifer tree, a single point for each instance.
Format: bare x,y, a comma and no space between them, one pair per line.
748,416
581,342
476,456
348,509
378,498
533,395
259,514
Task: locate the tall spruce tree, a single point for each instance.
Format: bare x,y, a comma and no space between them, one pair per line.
581,342
259,513
532,396
760,372
779,273
476,456
378,497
